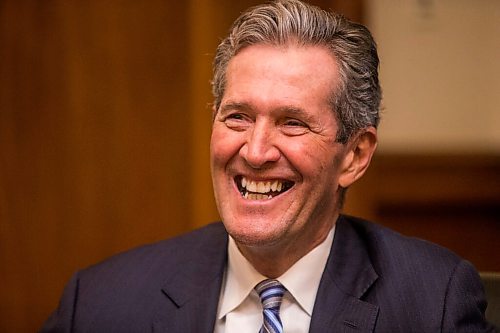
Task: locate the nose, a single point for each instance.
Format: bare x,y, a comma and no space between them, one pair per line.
259,148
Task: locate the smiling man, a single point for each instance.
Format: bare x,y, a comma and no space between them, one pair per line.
277,167
294,125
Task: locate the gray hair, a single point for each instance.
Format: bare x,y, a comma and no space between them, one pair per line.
356,100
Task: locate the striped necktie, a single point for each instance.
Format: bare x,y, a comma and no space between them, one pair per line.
271,293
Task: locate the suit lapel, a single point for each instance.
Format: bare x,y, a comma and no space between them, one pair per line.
192,291
347,277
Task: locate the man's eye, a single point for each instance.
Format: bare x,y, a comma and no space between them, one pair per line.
236,121
294,123
291,122
294,127
235,116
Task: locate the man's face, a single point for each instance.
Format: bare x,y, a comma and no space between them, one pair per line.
275,163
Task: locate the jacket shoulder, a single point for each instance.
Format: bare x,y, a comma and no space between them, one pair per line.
388,247
165,253
419,280
124,292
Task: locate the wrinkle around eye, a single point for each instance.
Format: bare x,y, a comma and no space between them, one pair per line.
294,127
237,123
294,130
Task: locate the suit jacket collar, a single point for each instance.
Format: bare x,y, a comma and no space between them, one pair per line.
194,286
348,275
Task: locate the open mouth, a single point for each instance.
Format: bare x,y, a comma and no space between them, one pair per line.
261,190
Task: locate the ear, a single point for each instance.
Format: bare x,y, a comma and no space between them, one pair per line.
214,112
359,153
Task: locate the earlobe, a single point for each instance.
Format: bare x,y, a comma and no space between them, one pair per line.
358,156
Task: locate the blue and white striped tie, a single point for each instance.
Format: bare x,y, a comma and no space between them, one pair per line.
271,293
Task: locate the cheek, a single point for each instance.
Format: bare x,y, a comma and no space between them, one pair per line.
311,158
223,146
320,174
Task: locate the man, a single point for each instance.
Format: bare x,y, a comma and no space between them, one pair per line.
294,125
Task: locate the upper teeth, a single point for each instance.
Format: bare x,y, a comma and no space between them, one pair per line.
261,186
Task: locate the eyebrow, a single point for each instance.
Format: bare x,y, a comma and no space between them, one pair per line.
286,109
234,106
294,111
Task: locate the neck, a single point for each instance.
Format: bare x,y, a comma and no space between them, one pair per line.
274,260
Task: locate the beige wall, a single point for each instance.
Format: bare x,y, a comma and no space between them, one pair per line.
440,72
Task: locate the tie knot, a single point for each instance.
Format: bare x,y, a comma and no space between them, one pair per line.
271,293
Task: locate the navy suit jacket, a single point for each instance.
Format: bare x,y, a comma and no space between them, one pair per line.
375,280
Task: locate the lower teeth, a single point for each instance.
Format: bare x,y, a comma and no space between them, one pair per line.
257,196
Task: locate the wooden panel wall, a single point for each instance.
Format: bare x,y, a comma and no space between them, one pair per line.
104,127
94,135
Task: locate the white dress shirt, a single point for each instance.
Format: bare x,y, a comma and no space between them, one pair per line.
240,309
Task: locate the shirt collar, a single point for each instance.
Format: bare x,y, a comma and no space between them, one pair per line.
301,280
241,278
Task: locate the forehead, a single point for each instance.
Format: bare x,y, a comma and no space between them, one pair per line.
291,72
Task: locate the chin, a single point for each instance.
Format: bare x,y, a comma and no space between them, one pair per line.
254,234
